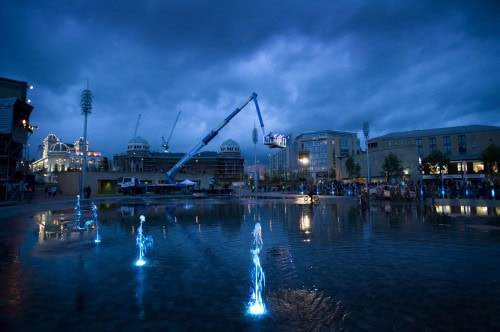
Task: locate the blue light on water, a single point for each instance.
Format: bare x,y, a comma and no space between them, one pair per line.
95,218
140,262
493,193
256,306
143,242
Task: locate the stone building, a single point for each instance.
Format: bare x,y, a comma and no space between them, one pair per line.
57,156
463,146
15,128
225,166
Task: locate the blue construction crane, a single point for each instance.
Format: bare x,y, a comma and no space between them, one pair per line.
271,140
166,143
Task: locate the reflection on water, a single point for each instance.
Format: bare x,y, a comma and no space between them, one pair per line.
467,210
328,266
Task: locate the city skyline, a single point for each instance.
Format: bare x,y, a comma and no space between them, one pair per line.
327,66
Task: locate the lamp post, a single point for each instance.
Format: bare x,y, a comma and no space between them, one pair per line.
304,162
421,179
366,132
255,139
86,106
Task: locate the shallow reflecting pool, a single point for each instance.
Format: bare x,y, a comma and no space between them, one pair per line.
329,266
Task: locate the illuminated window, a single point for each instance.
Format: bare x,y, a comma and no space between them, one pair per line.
478,167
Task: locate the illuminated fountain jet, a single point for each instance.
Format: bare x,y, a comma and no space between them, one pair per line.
78,213
256,304
143,242
95,218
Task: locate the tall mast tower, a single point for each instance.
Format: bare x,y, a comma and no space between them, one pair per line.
86,106
255,139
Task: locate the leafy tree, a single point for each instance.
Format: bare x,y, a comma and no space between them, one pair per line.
491,160
435,163
353,168
392,166
350,165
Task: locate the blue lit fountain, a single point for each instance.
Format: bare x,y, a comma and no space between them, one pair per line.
95,217
143,242
78,213
256,305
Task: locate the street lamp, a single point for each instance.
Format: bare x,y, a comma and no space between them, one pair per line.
304,161
366,132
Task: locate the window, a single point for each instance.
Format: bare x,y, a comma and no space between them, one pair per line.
432,143
462,144
478,167
344,147
447,144
418,143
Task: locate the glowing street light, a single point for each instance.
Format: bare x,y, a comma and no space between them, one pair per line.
304,161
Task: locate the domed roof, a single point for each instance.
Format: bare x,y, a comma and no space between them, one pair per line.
230,146
52,137
59,147
230,142
138,140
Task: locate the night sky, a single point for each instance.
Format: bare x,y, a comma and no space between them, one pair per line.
401,65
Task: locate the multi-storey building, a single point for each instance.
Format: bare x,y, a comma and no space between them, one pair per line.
315,155
463,146
282,163
15,128
57,156
322,154
224,167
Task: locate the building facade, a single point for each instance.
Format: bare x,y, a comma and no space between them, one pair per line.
15,129
225,166
322,154
282,163
462,145
56,156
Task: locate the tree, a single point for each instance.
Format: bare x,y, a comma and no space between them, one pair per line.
353,168
491,161
435,163
392,166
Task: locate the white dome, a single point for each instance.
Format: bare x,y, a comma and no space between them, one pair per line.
230,146
59,147
138,144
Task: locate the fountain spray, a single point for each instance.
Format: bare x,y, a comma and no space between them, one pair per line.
78,213
256,305
143,242
95,216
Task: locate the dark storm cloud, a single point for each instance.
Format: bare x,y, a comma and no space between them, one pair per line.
326,65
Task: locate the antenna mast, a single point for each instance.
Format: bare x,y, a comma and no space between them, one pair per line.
137,124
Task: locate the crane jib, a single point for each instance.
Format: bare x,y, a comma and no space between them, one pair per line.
209,137
271,140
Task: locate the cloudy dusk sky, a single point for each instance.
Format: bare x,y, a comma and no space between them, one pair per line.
400,65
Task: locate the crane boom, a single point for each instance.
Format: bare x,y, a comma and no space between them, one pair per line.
210,136
173,127
166,143
137,124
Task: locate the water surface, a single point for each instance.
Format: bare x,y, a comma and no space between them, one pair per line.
329,266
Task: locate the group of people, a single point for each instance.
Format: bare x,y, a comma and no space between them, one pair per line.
410,190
